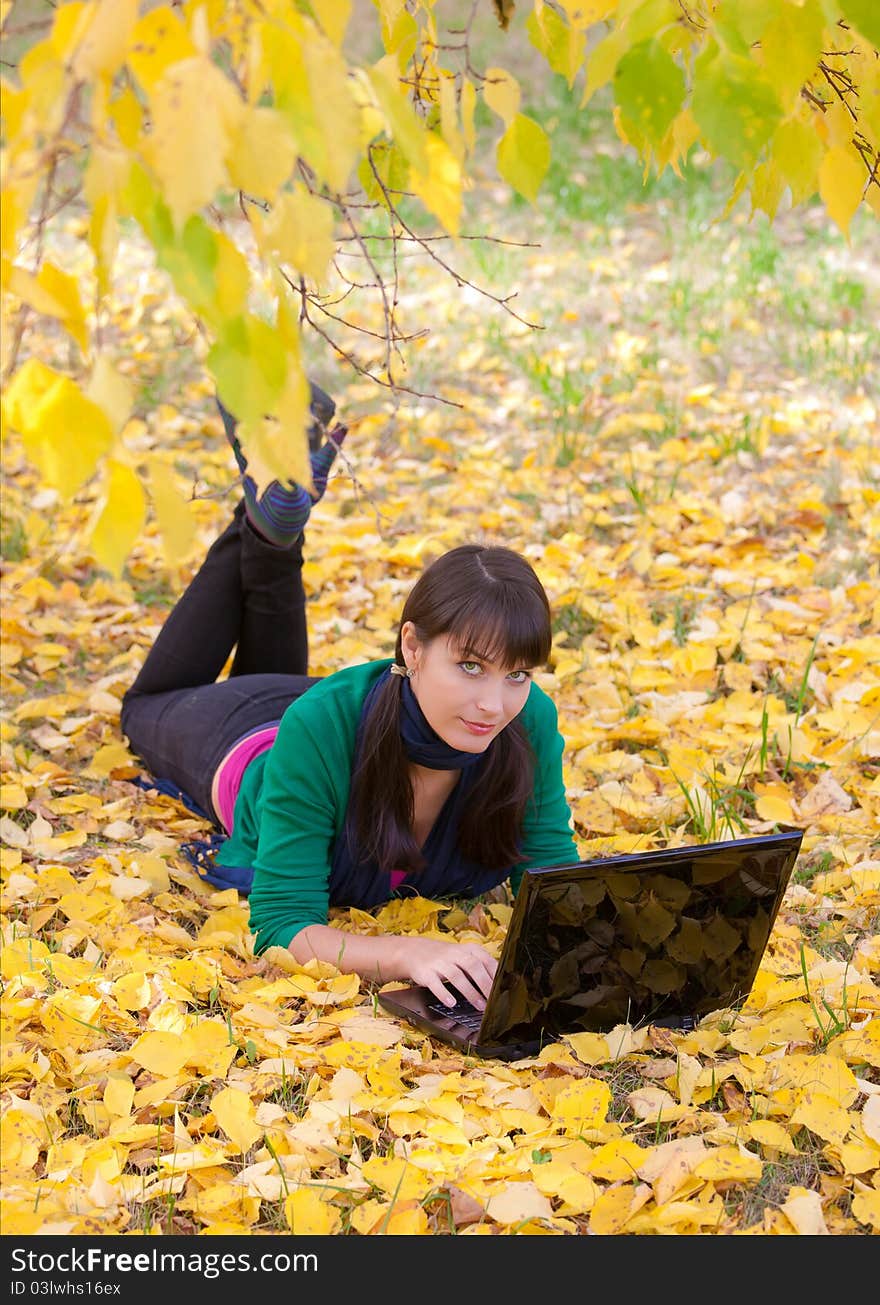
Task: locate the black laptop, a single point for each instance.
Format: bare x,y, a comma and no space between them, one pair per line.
660,937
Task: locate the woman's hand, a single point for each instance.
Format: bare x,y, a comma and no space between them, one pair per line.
443,966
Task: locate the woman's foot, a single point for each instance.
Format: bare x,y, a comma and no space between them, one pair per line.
280,513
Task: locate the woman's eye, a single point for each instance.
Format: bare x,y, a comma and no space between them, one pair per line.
519,677
470,668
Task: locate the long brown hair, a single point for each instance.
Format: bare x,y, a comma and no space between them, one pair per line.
492,603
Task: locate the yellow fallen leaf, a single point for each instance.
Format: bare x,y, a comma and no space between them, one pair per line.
871,1118
590,1048
309,1213
107,758
804,1210
517,1202
132,991
653,1105
771,1135
774,808
866,1208
13,797
403,1219
582,1105
730,1164
394,1176
235,1113
161,1053
119,1094
822,1115
616,1206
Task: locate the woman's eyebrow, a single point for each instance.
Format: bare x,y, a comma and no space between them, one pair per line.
470,655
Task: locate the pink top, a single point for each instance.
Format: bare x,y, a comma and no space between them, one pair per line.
227,780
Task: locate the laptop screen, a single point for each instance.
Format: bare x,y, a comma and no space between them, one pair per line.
654,937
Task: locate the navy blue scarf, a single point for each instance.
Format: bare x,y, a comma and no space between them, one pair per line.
423,746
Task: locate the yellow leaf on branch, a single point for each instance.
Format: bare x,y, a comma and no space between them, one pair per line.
841,184
333,15
524,156
501,92
104,37
63,432
402,123
54,293
111,391
120,517
173,512
195,112
158,41
439,188
299,231
262,151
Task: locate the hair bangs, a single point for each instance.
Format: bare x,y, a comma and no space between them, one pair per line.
500,625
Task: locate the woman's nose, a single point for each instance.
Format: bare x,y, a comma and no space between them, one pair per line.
490,698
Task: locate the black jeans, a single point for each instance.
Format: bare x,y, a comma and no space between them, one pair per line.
248,595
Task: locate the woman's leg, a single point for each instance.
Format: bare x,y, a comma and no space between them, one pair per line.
183,734
280,510
273,632
247,595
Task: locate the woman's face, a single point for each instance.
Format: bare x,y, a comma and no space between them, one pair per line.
466,701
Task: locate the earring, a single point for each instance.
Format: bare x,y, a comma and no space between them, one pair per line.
406,671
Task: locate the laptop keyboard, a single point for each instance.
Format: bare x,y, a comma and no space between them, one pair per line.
462,1012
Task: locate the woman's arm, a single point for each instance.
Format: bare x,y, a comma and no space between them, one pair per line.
431,962
548,837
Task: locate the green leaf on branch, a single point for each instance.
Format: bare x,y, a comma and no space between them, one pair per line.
249,363
864,16
790,49
561,45
735,108
738,24
649,86
798,153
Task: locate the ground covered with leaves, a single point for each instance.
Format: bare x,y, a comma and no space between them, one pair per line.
687,453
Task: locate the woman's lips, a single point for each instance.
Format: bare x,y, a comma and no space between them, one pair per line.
476,728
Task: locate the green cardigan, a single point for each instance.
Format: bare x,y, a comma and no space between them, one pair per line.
292,803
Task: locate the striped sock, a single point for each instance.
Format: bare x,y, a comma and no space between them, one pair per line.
280,513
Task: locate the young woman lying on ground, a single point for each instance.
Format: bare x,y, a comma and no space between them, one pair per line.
437,772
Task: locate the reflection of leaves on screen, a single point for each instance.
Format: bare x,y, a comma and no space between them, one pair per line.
671,892
565,974
515,1005
631,961
686,946
653,922
720,939
662,976
759,930
712,869
625,886
576,902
